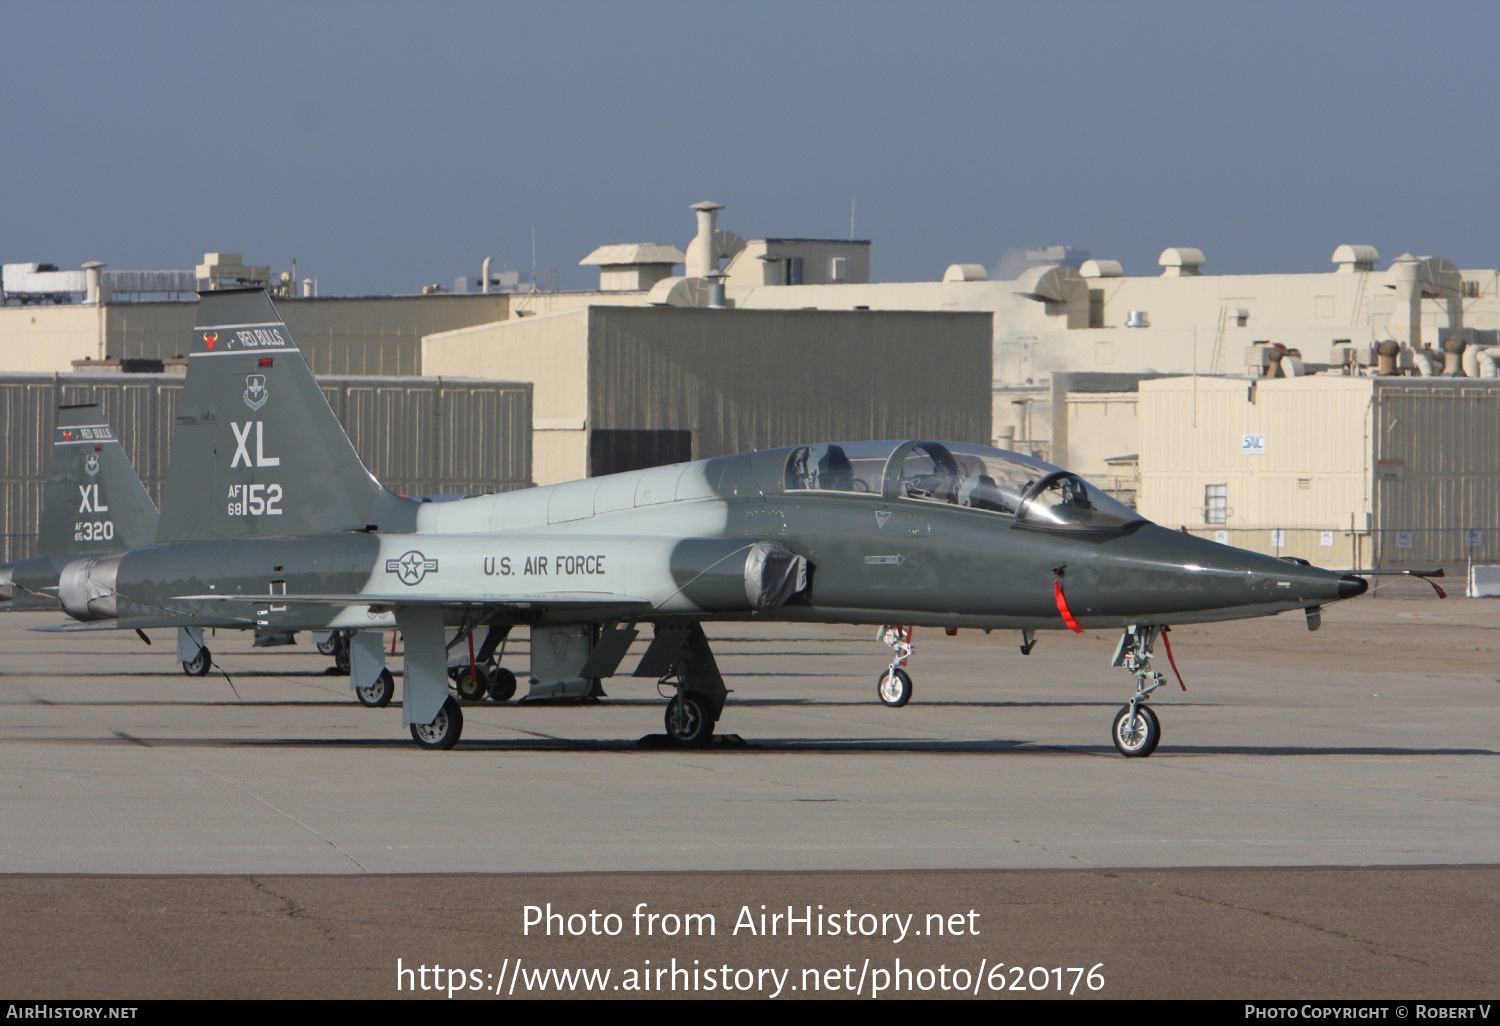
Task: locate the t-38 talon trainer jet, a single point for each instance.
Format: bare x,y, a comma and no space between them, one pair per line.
93,503
269,514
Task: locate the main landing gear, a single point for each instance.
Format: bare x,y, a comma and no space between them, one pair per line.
687,720
335,643
895,683
378,694
200,664
192,653
1136,729
693,712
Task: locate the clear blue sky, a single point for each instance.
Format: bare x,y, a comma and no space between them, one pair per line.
390,145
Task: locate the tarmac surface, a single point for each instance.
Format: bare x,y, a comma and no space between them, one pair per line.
1293,934
1374,742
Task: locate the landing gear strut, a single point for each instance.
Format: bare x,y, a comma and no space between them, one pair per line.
1136,729
895,683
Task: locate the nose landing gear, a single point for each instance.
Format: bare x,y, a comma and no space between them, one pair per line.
1136,729
895,686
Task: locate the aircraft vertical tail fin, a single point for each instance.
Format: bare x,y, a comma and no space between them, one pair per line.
94,501
258,451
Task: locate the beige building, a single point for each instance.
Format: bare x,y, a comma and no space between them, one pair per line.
1343,471
1096,320
621,387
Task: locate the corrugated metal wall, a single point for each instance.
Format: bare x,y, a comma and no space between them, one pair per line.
419,436
1437,470
339,335
745,379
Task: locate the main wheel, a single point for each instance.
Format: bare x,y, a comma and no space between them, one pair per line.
1138,741
379,694
895,688
327,646
341,658
687,720
443,732
502,685
200,664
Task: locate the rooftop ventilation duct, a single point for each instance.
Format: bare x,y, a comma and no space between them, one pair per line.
1181,262
633,267
966,272
1102,269
1049,284
1351,258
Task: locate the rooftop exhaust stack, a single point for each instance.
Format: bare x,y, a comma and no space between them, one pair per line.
94,291
702,258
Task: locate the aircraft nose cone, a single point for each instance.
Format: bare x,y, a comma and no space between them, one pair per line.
1351,586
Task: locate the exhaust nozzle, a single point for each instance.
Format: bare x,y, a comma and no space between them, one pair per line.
86,588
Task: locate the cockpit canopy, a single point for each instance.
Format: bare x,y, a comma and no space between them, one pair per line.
1037,494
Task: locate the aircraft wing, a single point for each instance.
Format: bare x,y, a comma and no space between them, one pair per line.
535,601
136,623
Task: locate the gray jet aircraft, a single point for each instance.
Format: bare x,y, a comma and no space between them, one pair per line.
93,503
269,515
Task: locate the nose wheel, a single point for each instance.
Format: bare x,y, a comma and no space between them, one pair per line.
1136,731
895,687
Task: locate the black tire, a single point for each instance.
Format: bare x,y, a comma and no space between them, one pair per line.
341,659
894,690
469,687
687,720
200,664
444,731
1143,740
502,685
379,694
327,647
